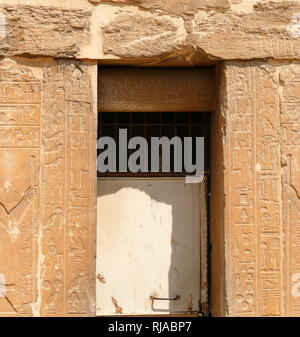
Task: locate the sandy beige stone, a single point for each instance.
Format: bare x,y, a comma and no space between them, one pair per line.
269,31
126,89
68,184
264,33
20,104
253,220
47,221
183,7
143,35
261,181
47,31
48,140
290,149
187,32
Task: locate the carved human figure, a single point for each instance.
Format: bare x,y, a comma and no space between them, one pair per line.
17,192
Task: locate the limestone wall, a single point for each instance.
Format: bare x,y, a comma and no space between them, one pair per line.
47,187
48,105
259,117
172,32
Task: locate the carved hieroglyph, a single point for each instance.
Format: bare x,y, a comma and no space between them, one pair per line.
47,191
290,149
67,182
47,198
262,178
127,89
20,107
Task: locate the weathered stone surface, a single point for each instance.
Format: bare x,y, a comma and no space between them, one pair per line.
68,185
186,32
47,203
183,7
264,33
47,141
262,203
290,149
253,220
43,30
270,30
20,104
143,35
126,89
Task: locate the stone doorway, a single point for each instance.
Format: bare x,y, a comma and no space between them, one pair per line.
161,258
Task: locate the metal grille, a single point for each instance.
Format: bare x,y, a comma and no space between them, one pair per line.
156,124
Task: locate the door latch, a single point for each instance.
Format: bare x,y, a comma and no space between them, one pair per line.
177,297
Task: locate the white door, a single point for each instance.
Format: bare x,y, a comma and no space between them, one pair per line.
149,246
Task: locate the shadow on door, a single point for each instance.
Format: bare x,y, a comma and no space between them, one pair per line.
151,241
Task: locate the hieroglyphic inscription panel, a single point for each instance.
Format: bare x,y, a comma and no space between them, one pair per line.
253,198
268,191
47,188
81,176
20,110
54,186
68,176
290,145
156,89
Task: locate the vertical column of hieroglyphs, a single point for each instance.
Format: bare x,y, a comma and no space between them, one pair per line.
81,151
253,186
53,187
241,198
20,105
69,157
290,140
268,190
